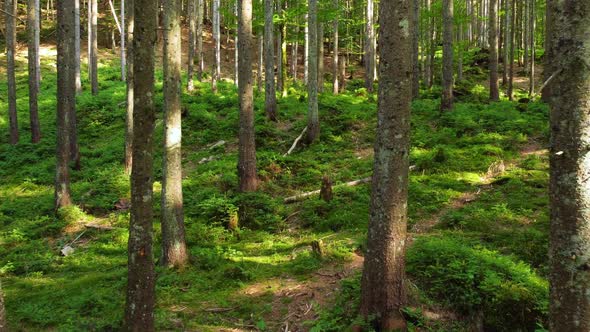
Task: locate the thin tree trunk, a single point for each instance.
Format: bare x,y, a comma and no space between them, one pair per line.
200,58
383,293
66,98
140,302
93,45
236,49
306,53
430,43
569,262
532,23
270,94
10,17
313,123
511,55
192,31
335,51
493,38
130,83
279,53
447,88
123,46
320,57
217,45
548,65
260,62
415,48
34,70
174,251
3,324
77,45
247,146
283,53
296,51
369,48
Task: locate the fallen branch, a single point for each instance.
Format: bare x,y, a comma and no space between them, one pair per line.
9,14
100,227
300,197
219,310
296,142
548,81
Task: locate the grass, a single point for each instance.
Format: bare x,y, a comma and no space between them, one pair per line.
506,227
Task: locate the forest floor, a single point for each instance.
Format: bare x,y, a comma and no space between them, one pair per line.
478,215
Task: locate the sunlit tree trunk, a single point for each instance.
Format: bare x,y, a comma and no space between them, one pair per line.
217,46
320,57
507,37
306,52
34,70
123,45
66,98
10,17
335,85
130,83
174,251
295,51
77,45
415,48
283,53
447,81
247,146
532,25
383,293
139,307
548,64
369,48
192,31
200,59
313,122
493,39
269,70
260,70
512,49
569,262
93,45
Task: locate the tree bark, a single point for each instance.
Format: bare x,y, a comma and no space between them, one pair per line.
130,83
10,17
320,57
174,251
507,37
217,45
139,308
270,104
66,98
3,324
200,59
93,45
313,122
306,52
510,92
383,292
532,23
415,48
247,146
369,48
192,32
447,83
123,46
569,275
34,70
260,70
493,39
335,85
548,65
77,45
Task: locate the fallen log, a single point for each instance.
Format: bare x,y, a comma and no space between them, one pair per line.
100,227
300,197
295,142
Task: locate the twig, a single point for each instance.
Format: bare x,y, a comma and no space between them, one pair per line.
300,197
100,227
219,310
548,81
7,13
295,142
115,15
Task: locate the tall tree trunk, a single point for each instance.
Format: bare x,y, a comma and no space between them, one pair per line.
123,46
507,38
383,293
511,55
3,324
306,53
279,57
313,122
415,48
247,146
200,58
66,98
139,308
320,57
270,104
10,17
217,45
260,61
192,32
460,47
335,51
130,83
236,49
174,251
283,52
548,64
569,275
296,51
447,88
93,45
430,42
493,39
77,45
34,70
532,23
369,48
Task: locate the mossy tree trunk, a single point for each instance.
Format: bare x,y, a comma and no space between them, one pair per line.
569,275
139,308
383,293
174,251
66,98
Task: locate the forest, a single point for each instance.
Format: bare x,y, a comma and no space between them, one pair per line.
295,165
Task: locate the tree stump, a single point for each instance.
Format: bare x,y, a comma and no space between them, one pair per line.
317,246
326,191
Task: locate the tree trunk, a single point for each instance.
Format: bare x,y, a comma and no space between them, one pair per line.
139,308
532,23
279,57
3,324
548,65
77,45
270,104
93,45
313,122
283,53
511,55
493,39
369,48
507,38
430,42
306,52
217,41
335,51
415,48
174,251
320,57
247,146
260,61
200,59
192,32
569,275
66,98
10,11
130,83
296,51
123,46
236,50
447,88
383,292
34,70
